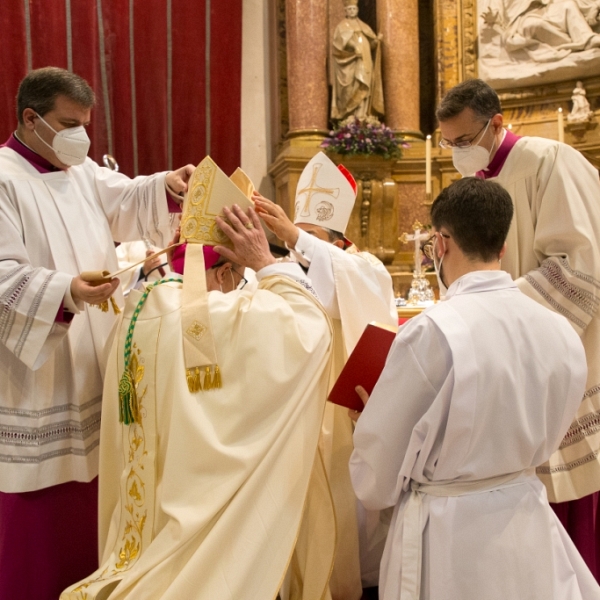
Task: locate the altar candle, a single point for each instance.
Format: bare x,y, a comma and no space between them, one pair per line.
561,126
428,165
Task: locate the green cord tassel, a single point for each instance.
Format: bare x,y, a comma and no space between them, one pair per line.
128,404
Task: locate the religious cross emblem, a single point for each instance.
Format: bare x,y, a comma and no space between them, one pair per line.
420,293
417,237
314,188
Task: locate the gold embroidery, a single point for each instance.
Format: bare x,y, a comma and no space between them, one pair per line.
130,546
197,330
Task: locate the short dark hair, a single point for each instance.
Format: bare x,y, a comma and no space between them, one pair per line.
474,94
333,235
40,88
477,214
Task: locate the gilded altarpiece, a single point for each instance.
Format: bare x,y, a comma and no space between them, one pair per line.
528,110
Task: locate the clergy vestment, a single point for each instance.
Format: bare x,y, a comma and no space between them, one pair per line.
477,392
553,253
355,289
56,224
202,498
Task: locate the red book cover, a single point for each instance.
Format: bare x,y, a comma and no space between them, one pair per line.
364,366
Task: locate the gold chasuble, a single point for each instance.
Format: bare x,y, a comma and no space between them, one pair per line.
202,495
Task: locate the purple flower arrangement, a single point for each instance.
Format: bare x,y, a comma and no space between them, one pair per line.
368,136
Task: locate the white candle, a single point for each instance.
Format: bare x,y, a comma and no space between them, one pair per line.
561,126
428,165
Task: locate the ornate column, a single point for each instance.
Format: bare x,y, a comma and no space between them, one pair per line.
307,35
398,21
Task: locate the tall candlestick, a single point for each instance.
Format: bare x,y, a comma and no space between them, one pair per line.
561,126
428,165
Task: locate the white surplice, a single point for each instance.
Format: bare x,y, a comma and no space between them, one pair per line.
355,289
54,226
202,497
483,385
553,253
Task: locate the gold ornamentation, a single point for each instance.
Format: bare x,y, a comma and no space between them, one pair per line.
197,330
130,546
313,188
195,225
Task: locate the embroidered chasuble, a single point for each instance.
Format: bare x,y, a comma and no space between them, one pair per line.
54,226
553,252
202,495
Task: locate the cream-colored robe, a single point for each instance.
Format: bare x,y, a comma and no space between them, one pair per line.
55,225
203,499
553,252
355,289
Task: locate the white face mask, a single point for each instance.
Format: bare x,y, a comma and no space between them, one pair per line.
70,145
467,161
438,270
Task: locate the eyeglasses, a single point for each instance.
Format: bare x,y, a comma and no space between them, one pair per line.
243,280
465,143
427,247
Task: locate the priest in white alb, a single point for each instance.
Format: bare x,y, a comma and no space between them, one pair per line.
355,289
553,253
212,410
60,214
476,393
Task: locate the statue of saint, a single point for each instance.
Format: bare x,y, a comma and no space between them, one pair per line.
356,68
581,110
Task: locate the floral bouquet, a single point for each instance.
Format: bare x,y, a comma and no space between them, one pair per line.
368,136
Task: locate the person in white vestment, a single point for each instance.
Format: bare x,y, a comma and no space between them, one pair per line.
355,289
476,392
553,253
60,214
202,492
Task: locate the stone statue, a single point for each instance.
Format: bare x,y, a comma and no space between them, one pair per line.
544,29
581,111
356,68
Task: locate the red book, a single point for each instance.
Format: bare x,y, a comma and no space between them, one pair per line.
364,366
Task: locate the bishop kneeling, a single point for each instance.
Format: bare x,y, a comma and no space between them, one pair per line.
212,410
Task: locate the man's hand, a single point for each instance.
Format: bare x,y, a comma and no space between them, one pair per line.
92,294
175,240
360,390
276,220
177,181
250,245
152,264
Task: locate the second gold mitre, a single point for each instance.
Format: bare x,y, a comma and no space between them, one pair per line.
209,191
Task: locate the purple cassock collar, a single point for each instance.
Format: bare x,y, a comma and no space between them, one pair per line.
37,161
494,168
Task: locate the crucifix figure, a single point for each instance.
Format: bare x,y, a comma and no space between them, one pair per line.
312,189
417,238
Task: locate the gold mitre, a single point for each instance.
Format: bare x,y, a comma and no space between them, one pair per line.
209,191
350,3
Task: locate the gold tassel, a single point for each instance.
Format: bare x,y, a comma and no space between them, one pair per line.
193,380
115,306
217,383
208,384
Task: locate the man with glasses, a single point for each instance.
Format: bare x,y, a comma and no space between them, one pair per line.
553,254
477,392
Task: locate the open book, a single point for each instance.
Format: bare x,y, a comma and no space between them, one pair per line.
364,365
